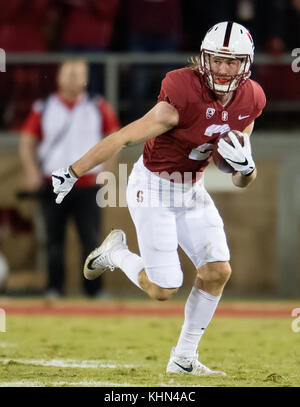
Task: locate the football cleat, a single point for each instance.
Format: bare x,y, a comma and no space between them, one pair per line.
189,365
99,259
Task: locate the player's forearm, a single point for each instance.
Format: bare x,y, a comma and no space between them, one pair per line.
151,125
110,164
98,154
108,147
242,181
28,154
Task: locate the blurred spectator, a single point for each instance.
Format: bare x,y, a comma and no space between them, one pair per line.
22,29
90,24
19,86
267,21
57,131
22,24
198,17
57,15
294,24
270,26
89,27
153,26
274,21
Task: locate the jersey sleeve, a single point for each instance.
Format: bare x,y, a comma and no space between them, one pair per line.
33,122
110,121
173,91
259,99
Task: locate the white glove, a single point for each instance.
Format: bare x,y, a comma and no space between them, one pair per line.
238,156
62,182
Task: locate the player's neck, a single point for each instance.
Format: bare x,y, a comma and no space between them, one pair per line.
69,97
225,99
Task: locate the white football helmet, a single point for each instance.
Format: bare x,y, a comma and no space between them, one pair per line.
227,40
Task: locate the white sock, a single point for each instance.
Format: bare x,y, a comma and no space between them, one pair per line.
130,263
199,310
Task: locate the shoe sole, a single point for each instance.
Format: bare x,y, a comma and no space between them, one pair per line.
92,274
186,372
182,372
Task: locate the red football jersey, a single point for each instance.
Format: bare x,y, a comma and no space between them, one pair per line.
202,119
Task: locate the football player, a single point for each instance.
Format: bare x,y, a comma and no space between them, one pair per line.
196,105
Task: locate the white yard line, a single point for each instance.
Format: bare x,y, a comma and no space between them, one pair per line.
92,383
91,364
86,383
73,363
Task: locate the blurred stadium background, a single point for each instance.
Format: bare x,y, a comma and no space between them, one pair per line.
79,341
262,223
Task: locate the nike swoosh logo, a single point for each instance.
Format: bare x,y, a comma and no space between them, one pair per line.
186,369
243,117
239,162
61,179
89,265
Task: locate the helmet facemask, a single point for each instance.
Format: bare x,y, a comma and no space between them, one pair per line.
233,83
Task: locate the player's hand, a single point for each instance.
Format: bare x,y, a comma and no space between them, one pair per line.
33,180
62,182
238,156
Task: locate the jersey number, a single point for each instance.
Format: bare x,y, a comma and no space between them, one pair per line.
204,151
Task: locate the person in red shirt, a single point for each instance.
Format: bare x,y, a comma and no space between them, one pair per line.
166,196
153,26
89,26
22,29
22,25
56,131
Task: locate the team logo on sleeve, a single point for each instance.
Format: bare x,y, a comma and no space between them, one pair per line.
224,116
210,112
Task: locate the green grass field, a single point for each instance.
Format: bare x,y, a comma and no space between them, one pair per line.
134,351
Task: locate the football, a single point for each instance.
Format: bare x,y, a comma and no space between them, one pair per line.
218,160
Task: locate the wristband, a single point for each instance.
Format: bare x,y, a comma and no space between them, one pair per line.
74,173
